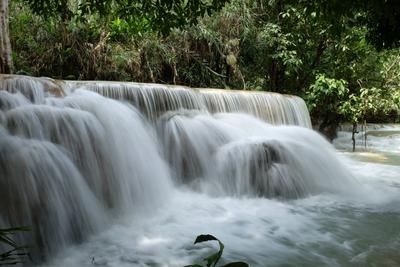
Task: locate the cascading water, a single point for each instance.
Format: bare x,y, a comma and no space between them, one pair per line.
241,155
139,163
68,164
42,188
156,99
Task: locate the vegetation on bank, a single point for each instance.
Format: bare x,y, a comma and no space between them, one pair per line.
341,57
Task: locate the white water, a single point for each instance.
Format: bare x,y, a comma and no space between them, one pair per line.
156,99
103,185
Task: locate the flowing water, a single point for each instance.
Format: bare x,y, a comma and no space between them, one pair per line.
129,174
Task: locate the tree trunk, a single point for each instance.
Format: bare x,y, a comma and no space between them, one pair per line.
329,125
353,137
305,77
6,64
365,134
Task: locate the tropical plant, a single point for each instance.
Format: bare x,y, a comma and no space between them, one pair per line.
325,98
213,259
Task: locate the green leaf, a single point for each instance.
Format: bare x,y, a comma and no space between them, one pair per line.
213,259
205,238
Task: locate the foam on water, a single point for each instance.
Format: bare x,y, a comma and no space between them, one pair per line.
322,230
236,154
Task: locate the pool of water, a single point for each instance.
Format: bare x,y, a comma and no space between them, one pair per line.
360,229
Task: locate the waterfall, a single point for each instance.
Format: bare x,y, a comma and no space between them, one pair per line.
40,187
156,99
77,156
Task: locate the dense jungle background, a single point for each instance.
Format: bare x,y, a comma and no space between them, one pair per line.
342,58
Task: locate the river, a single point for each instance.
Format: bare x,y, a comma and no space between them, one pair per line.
125,174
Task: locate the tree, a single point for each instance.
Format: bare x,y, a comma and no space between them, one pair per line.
381,17
6,63
160,15
325,98
369,102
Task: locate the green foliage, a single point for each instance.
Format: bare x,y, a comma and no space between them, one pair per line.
306,48
122,29
16,253
163,15
380,17
336,14
325,99
213,259
326,93
159,15
328,96
369,102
